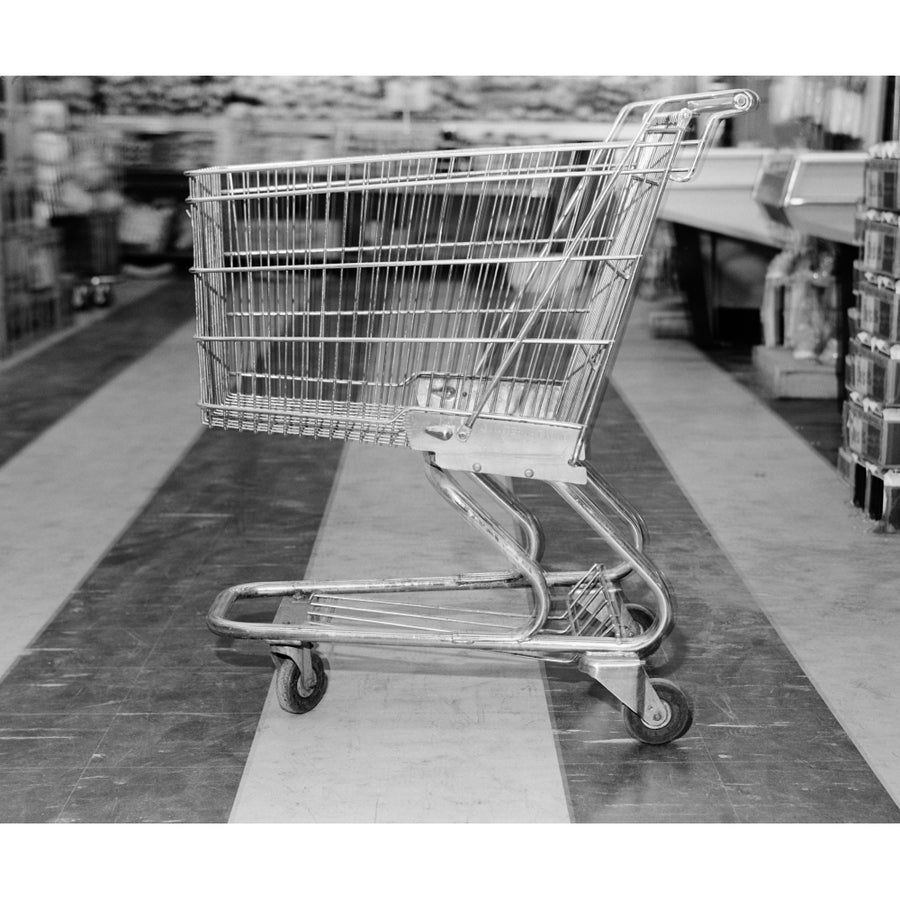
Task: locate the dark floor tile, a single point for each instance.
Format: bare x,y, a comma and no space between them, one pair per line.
39,390
625,790
810,811
195,647
35,796
92,612
189,691
43,683
36,741
793,734
179,741
157,795
829,790
112,646
596,812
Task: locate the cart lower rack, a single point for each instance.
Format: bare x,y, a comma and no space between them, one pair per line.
469,305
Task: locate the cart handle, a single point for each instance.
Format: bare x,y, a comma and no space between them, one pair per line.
719,105
725,103
720,108
677,111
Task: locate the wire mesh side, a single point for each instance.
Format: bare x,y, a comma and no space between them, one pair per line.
595,607
333,296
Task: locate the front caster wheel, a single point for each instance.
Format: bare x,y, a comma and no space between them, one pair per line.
678,720
288,688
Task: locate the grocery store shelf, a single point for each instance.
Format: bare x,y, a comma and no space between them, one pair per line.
720,199
814,193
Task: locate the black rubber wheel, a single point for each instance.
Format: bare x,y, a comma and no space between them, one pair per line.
642,616
287,676
680,716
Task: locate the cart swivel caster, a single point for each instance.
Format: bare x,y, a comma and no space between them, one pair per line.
289,689
677,720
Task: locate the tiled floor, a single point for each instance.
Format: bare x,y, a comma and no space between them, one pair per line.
41,388
126,691
817,422
124,708
760,732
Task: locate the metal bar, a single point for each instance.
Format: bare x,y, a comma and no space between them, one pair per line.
358,314
522,561
338,339
318,600
398,264
389,618
648,572
542,642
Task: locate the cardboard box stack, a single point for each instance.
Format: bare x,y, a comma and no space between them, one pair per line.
870,456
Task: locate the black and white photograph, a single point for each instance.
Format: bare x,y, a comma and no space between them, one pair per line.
437,450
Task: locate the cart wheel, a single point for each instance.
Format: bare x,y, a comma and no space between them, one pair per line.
81,297
103,295
679,720
642,616
287,677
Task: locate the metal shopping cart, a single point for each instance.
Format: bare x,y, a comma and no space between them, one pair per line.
467,304
91,256
81,196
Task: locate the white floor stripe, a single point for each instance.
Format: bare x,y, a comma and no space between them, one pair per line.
405,736
78,485
784,517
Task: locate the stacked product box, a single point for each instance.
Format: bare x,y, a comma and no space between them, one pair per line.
870,456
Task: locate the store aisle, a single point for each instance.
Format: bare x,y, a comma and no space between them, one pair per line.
782,515
124,708
406,736
77,481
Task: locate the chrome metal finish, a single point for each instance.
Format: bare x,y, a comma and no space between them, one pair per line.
468,304
499,446
354,298
624,677
532,626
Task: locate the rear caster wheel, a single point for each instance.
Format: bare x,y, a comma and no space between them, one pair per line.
288,688
676,722
642,617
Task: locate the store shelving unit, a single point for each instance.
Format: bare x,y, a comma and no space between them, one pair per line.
31,301
156,151
870,457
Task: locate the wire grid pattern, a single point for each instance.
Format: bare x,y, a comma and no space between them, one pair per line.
594,607
333,296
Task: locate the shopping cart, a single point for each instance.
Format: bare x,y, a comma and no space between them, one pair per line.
81,197
466,304
90,256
